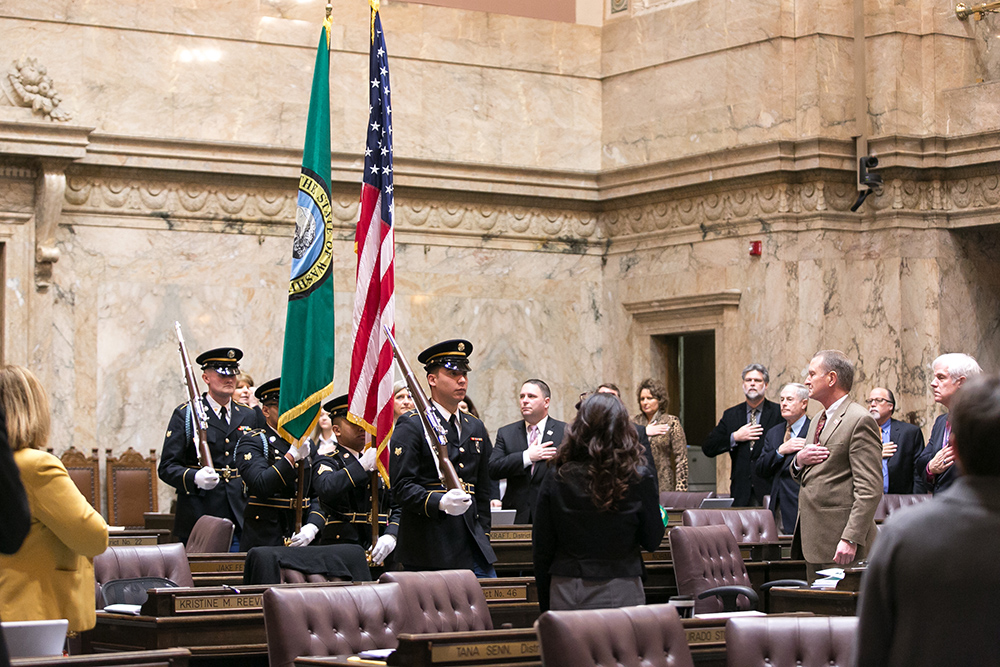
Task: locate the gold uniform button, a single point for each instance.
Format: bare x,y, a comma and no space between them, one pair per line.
227,441
461,449
461,465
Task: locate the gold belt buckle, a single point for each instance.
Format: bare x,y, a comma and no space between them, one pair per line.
226,473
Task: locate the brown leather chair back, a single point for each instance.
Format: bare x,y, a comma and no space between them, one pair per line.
330,620
650,635
683,499
131,488
443,601
893,501
748,525
705,557
157,560
210,535
790,641
85,472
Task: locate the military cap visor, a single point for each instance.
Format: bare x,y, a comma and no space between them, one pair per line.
337,407
451,354
269,391
222,360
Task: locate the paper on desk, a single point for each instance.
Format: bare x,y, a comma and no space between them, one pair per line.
731,614
832,573
116,529
132,609
376,653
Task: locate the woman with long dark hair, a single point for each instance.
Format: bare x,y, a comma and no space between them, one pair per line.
596,513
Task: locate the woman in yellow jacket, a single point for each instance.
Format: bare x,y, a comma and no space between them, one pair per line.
52,574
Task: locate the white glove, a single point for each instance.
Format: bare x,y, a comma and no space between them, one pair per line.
368,459
304,536
383,548
206,479
300,452
455,502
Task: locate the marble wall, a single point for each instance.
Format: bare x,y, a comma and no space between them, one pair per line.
565,192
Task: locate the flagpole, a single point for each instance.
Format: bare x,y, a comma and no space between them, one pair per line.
374,505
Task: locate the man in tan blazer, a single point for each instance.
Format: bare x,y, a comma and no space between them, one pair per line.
839,471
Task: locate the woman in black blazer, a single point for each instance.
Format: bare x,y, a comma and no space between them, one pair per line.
595,513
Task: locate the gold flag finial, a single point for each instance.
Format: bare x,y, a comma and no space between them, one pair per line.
374,5
328,23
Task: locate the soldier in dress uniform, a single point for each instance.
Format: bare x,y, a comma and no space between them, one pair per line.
342,483
267,464
441,530
202,490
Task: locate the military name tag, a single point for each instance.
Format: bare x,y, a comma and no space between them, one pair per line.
189,604
506,593
484,651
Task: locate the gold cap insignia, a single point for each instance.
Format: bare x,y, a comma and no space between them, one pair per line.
461,347
247,456
231,355
399,451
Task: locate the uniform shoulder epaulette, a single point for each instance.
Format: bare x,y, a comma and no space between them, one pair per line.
242,405
181,406
256,431
412,413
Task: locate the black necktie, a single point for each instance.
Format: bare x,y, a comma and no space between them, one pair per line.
453,429
222,415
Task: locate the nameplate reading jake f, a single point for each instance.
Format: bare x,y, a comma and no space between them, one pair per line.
216,566
509,535
204,604
132,541
505,593
697,636
483,652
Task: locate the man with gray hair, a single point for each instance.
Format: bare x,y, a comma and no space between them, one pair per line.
740,432
839,471
935,469
781,442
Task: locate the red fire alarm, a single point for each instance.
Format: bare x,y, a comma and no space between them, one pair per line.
756,247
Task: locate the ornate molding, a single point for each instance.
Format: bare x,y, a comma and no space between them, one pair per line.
689,312
50,188
32,87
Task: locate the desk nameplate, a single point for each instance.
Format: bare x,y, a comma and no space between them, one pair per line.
202,604
484,651
505,593
496,535
216,566
698,636
132,540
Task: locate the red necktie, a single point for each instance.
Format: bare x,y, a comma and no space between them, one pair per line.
533,440
819,427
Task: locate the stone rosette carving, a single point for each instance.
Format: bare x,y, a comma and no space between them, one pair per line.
33,87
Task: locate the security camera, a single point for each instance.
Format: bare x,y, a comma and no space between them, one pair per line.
871,181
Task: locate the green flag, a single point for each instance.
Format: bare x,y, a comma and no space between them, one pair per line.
307,360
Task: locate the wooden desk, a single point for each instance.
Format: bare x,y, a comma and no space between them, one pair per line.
217,569
819,602
177,657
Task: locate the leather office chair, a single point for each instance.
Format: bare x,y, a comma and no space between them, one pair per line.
331,620
683,499
443,601
210,535
649,635
893,501
131,488
747,525
790,641
159,560
85,471
709,566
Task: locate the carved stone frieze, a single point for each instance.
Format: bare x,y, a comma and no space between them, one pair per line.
31,86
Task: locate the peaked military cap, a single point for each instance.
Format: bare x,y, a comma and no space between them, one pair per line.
452,354
222,360
337,407
269,391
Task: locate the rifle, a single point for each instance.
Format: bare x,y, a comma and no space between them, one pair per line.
434,433
199,421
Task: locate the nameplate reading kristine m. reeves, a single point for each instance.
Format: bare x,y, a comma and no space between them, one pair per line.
505,593
202,604
484,651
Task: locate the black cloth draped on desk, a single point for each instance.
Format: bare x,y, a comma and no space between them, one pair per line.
344,561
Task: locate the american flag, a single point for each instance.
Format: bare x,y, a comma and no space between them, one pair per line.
371,357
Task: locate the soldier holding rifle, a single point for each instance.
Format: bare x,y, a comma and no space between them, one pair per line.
442,528
212,486
269,467
341,480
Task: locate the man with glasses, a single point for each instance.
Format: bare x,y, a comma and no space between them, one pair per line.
901,443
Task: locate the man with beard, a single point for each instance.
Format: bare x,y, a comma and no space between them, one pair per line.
740,432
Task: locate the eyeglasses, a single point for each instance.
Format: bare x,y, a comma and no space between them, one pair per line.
879,401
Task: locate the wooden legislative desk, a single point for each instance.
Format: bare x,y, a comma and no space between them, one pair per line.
177,657
819,602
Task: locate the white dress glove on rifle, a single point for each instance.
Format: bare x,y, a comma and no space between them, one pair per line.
367,459
304,536
455,502
383,548
206,479
300,452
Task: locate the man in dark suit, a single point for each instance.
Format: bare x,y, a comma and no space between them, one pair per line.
740,433
443,529
781,442
935,465
217,491
522,450
901,443
937,560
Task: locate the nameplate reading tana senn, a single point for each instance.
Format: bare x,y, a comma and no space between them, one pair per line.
484,651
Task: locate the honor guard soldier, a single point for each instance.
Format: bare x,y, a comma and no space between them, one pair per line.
342,483
203,490
268,465
441,530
